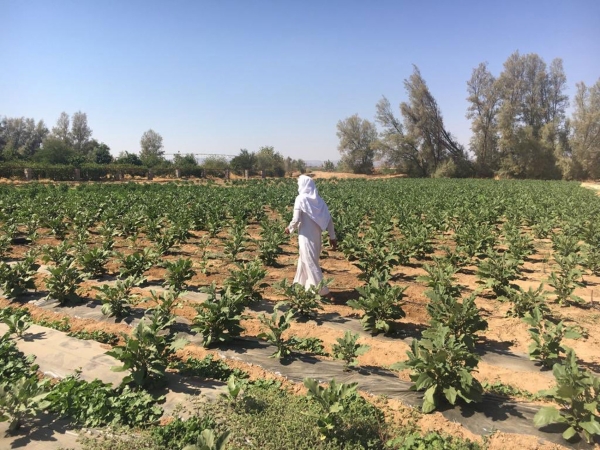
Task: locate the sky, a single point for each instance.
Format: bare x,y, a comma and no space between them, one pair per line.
214,77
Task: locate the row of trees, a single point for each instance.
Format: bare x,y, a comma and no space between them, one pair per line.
71,142
519,123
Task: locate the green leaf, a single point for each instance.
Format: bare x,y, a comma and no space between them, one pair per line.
591,427
547,415
569,433
450,394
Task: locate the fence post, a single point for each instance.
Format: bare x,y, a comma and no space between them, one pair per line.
28,174
227,174
203,174
246,174
150,174
262,174
77,174
177,173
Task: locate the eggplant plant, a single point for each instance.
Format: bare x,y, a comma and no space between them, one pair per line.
566,279
179,272
347,349
218,318
93,261
497,271
441,365
301,301
524,302
546,345
577,393
145,353
16,279
381,303
274,326
246,280
63,281
135,264
21,399
117,299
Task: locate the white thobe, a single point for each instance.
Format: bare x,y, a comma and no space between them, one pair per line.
309,272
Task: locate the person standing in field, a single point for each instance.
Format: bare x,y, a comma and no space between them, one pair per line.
311,218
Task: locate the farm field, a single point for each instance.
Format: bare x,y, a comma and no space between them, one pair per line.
478,287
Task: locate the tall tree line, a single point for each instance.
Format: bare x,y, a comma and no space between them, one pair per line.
518,119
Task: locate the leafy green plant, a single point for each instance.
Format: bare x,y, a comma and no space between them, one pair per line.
234,388
381,303
60,325
301,301
347,349
275,326
117,299
101,336
566,279
474,236
93,261
57,254
178,433
519,245
207,367
218,318
238,238
166,302
17,323
20,399
524,302
96,404
507,390
330,399
441,276
577,392
565,244
272,237
5,245
63,281
246,280
16,279
547,337
179,272
310,344
135,264
462,318
591,259
145,353
209,440
441,365
497,271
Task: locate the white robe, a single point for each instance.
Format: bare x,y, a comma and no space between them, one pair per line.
309,272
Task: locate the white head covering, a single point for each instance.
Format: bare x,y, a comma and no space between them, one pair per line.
311,203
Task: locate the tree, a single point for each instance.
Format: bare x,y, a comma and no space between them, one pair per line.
329,166
484,102
80,132
152,151
61,130
188,160
129,158
424,128
420,145
357,138
55,151
531,117
215,163
245,160
97,152
270,161
585,140
20,137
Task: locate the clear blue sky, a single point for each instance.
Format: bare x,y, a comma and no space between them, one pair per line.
217,76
